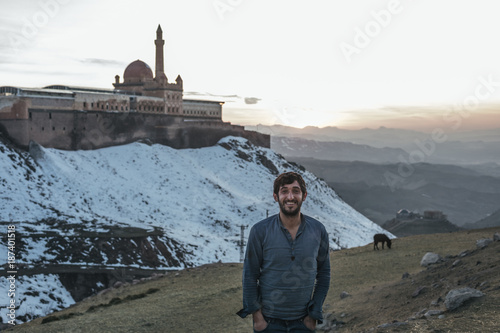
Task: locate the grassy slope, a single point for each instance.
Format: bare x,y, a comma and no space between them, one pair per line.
205,299
380,295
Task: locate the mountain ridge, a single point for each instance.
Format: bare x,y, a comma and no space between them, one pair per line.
429,187
199,198
401,150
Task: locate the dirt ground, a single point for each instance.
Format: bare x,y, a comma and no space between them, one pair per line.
206,298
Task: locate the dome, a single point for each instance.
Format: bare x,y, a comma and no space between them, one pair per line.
137,71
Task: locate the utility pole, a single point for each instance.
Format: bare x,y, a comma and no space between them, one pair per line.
242,243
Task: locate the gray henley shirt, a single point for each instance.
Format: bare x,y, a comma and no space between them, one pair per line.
288,279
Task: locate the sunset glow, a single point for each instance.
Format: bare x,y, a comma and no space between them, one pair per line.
346,64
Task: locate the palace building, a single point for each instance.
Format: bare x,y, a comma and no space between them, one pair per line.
144,106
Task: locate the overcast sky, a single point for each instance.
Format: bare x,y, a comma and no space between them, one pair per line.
363,63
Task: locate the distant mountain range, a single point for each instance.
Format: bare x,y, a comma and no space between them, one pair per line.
492,220
334,151
444,147
464,195
380,137
380,171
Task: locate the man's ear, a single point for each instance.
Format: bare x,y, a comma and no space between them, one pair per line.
304,196
275,197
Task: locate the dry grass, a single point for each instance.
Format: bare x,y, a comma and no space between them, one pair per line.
205,299
380,295
361,267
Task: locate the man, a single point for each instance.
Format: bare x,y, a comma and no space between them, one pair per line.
286,273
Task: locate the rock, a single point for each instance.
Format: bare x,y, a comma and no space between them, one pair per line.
457,297
431,313
344,294
496,237
36,151
393,324
419,315
405,275
323,326
430,258
329,323
418,291
482,243
484,285
463,253
437,301
117,284
456,263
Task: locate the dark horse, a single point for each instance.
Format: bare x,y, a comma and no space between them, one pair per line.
381,238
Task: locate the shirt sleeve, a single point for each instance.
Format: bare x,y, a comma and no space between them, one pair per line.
315,308
251,274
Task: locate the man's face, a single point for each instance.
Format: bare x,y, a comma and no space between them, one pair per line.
290,198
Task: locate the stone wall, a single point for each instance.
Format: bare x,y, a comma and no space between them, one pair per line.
74,130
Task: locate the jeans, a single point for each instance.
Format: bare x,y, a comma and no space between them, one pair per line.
285,326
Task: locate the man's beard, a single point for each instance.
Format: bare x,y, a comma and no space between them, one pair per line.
290,213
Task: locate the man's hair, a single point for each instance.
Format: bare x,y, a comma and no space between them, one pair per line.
288,178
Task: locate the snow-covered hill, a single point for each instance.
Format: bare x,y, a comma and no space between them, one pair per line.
197,197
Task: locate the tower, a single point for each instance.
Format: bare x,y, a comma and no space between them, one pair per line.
140,79
160,76
241,243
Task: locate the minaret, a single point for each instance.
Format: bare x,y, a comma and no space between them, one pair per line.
159,42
